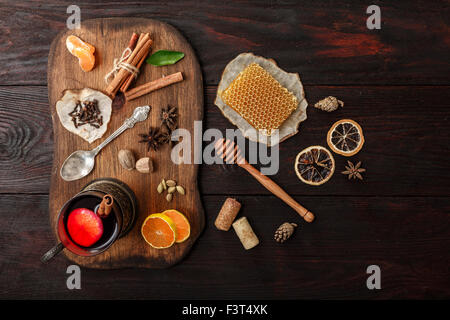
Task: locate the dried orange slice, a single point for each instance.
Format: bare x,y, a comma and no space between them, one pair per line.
345,137
83,51
181,223
314,165
159,231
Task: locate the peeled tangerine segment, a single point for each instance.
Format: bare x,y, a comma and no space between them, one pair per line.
73,42
85,59
83,51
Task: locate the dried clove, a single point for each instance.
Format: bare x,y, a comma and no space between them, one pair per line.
86,112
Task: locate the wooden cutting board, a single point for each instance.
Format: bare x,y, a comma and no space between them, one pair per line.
110,36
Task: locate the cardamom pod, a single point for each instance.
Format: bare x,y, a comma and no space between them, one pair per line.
180,190
171,183
171,190
164,184
160,188
169,197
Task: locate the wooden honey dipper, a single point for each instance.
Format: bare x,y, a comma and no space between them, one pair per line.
231,153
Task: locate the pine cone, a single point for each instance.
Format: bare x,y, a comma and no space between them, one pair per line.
284,232
329,104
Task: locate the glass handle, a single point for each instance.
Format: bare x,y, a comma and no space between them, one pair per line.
50,254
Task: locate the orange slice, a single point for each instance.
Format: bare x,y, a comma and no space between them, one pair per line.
345,137
181,223
159,231
83,51
314,165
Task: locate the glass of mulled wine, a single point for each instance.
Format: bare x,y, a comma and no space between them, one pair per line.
85,233
110,226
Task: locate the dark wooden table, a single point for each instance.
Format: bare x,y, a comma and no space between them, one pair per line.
394,82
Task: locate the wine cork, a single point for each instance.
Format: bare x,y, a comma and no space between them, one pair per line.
227,214
245,233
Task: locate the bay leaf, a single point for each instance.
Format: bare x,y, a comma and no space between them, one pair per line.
165,57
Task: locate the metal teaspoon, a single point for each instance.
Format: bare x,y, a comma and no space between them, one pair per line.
80,163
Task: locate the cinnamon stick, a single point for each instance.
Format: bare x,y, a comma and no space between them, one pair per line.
142,53
153,85
130,78
132,45
133,41
142,46
105,206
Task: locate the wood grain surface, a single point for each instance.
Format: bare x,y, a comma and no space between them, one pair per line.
406,125
394,81
407,237
326,40
111,37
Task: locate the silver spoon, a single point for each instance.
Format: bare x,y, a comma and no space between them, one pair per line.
80,163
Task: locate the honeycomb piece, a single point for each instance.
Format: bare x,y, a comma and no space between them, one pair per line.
260,99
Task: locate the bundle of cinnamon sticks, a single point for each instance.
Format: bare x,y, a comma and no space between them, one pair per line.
140,46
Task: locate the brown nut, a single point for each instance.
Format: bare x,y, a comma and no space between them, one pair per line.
144,165
126,159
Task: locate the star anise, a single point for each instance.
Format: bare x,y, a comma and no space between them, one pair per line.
354,171
169,117
165,137
151,139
